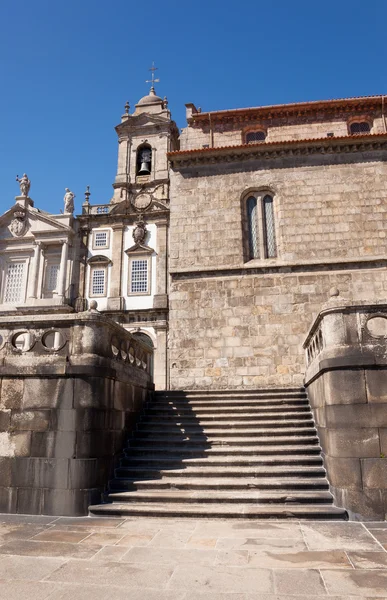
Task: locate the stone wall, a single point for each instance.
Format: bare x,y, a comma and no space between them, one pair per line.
71,387
242,324
346,380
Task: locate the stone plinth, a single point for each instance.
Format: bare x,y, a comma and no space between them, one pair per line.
346,380
71,386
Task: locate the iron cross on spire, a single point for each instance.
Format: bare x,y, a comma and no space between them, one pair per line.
153,80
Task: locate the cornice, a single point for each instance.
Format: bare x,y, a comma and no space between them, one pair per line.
274,150
300,109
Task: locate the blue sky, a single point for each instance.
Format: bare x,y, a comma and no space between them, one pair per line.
67,69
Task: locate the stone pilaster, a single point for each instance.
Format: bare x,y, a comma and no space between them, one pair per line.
115,300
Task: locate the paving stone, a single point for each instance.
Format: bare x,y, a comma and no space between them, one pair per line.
49,549
110,553
379,534
201,542
28,590
231,557
82,592
300,560
356,582
170,556
11,532
89,521
103,538
114,573
298,582
332,536
27,568
277,544
136,539
368,560
170,539
221,578
249,529
55,535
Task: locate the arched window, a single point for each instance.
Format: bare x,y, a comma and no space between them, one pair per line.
359,128
144,160
260,226
253,137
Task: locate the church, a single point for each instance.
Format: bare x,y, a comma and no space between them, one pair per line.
248,251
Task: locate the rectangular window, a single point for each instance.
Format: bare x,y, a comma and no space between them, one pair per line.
98,282
100,239
139,276
52,273
14,282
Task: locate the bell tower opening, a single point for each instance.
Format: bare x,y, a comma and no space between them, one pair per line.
144,160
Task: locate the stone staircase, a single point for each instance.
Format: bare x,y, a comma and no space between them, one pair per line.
244,454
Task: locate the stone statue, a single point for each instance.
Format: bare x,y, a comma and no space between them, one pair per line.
69,201
25,185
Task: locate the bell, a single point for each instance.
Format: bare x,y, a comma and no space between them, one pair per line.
144,169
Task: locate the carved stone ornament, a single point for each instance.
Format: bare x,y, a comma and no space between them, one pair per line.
142,201
139,232
18,225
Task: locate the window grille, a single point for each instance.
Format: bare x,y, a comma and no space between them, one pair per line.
14,281
139,276
261,227
255,136
269,231
361,127
253,227
98,282
100,239
52,277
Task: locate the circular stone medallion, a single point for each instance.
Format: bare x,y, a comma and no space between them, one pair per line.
377,326
142,201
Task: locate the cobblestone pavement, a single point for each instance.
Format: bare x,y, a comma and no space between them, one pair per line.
49,558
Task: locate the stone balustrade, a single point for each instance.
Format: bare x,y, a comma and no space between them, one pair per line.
71,387
346,380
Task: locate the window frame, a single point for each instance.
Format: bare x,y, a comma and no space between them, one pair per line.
51,261
148,259
246,132
358,120
261,225
107,245
98,267
8,260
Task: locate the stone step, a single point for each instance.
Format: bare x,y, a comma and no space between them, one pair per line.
240,452
217,434
207,497
220,483
209,411
223,418
222,471
228,403
215,430
162,462
207,442
237,511
258,393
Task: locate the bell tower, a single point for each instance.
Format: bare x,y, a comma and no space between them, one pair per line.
144,138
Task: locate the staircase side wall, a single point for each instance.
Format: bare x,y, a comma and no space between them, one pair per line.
346,381
64,414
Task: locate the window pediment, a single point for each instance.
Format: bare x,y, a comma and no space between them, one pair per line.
139,249
99,259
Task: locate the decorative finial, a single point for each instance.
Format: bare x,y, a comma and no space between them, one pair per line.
165,101
87,194
153,80
127,107
25,185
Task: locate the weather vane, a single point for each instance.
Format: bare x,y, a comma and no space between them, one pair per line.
153,80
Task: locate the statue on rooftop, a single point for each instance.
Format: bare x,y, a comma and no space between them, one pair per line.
69,201
25,185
